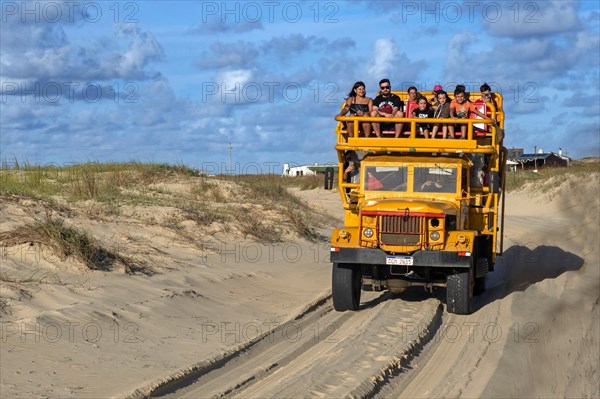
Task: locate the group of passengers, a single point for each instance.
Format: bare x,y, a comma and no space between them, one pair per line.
389,105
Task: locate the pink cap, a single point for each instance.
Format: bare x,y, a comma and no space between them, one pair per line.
437,87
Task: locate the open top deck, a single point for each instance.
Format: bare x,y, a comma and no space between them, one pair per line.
483,135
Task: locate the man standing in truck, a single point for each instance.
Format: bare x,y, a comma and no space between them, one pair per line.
387,105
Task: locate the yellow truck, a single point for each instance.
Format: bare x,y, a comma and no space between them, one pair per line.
422,211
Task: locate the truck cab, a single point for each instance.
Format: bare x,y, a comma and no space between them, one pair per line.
424,212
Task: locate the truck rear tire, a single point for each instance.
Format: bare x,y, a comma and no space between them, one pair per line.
345,287
482,269
459,292
479,286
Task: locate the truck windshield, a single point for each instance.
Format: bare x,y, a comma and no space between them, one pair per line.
435,179
385,178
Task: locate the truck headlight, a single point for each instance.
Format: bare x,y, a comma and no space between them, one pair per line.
368,232
434,236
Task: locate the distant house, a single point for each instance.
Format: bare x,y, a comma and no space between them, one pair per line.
511,165
515,152
305,170
540,161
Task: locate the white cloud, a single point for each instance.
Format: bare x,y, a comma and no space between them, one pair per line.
235,78
385,54
319,61
532,59
457,53
540,18
230,55
143,49
217,26
44,52
283,46
390,63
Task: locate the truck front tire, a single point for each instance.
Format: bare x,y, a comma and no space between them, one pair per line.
459,292
346,281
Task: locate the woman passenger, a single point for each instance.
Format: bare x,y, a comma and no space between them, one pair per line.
358,104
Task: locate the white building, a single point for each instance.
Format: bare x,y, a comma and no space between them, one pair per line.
305,170
511,165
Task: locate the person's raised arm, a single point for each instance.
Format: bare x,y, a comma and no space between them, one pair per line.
478,113
348,171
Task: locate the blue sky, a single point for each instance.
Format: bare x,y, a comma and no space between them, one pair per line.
179,81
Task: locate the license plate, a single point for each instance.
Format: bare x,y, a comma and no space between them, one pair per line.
399,260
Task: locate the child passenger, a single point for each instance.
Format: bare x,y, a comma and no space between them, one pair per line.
423,111
487,95
461,108
442,111
436,89
412,101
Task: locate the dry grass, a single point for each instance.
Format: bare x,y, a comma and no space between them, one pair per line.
250,198
250,224
4,305
520,178
20,294
304,182
207,190
17,286
98,181
223,199
270,192
203,215
67,242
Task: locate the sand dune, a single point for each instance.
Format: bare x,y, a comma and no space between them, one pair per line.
73,332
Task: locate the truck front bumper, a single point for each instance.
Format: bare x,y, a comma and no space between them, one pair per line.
421,258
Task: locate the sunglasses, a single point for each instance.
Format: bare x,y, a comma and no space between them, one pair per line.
384,87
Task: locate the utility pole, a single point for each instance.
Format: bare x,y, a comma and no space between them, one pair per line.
230,148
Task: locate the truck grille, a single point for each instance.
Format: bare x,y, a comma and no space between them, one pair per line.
400,230
401,224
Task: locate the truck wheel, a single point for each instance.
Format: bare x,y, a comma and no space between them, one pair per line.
479,286
345,287
482,269
459,292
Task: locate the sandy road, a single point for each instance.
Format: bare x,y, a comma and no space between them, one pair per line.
534,332
462,353
321,354
394,346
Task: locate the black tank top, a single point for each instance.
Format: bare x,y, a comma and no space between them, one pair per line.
354,108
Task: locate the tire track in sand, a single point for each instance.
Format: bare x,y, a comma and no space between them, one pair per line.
321,353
